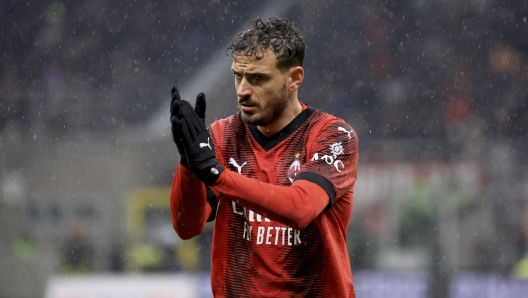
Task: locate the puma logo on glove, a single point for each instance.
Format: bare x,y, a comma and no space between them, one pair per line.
206,144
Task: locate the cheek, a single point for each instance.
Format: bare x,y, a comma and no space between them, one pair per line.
264,96
269,93
273,94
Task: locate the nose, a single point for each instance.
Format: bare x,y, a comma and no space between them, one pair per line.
244,89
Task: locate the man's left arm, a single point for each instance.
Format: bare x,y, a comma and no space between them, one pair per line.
329,174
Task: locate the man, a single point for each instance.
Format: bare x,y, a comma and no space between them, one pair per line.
278,177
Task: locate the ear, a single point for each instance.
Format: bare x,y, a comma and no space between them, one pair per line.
296,78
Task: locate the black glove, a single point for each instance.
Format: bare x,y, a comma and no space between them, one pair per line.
175,111
197,142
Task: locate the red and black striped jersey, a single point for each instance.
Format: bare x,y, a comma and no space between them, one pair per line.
257,254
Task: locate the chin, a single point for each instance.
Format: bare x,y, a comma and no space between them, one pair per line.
252,119
247,118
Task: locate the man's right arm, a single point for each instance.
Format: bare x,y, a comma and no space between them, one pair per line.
189,207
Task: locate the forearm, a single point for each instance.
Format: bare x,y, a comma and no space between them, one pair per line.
189,206
295,206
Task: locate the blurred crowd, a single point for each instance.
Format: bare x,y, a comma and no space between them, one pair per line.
82,66
415,69
408,69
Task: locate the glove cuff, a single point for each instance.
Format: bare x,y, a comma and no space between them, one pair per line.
210,174
184,163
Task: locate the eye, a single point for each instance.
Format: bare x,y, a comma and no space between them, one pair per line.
257,79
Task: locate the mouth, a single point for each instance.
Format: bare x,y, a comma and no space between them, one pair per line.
247,108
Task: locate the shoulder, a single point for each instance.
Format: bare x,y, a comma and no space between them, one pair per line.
230,129
325,124
232,122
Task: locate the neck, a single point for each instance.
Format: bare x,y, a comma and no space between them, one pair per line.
293,109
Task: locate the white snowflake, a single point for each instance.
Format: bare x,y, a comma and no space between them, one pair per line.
336,149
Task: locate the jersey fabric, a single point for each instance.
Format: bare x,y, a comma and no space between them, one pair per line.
254,256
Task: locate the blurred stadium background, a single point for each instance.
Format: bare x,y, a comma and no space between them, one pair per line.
436,89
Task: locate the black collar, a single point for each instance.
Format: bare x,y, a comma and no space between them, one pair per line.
269,142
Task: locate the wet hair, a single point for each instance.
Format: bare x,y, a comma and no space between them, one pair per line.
278,35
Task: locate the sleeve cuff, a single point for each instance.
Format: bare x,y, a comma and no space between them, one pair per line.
322,182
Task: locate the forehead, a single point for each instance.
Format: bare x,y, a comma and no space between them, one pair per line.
267,63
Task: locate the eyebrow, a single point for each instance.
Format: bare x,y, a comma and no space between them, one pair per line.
250,73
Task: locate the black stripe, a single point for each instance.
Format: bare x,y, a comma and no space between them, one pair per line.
268,143
321,181
213,202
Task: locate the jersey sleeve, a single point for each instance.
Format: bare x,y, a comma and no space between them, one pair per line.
190,204
296,205
332,159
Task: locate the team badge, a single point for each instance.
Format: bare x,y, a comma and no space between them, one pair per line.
294,168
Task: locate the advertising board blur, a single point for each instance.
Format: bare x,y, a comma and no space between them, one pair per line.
130,286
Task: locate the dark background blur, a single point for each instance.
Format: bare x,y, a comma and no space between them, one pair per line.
436,90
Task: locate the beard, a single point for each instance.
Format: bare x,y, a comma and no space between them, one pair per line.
271,112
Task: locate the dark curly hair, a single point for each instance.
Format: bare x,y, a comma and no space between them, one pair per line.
278,35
